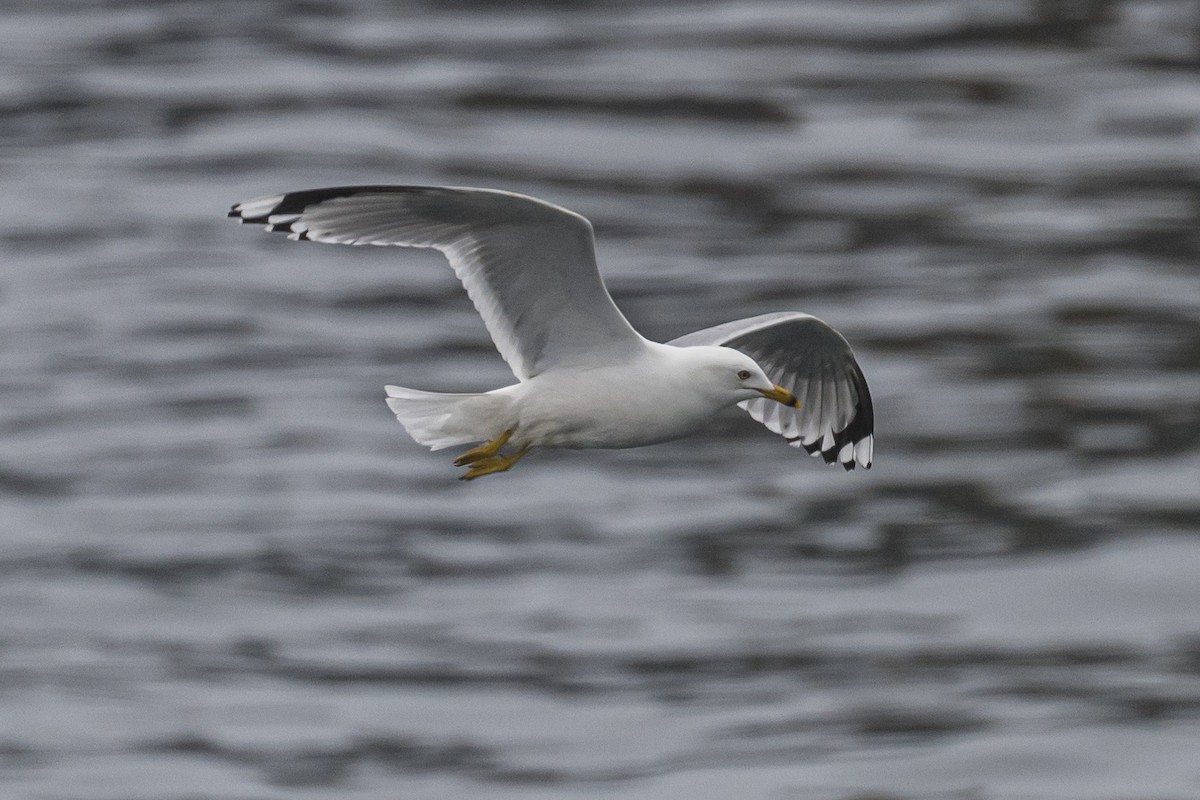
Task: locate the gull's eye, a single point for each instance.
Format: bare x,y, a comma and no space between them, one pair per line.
743,374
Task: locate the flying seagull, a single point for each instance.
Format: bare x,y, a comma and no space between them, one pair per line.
585,377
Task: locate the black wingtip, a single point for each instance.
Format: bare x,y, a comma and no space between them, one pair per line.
860,427
296,203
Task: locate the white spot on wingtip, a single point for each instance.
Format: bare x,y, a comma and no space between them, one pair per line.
864,450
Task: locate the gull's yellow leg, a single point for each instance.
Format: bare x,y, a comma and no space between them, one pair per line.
488,466
485,450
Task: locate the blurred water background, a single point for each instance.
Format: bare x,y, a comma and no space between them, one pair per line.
226,573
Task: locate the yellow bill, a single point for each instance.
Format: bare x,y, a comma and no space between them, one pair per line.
781,395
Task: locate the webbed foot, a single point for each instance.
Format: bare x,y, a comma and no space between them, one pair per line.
493,464
483,451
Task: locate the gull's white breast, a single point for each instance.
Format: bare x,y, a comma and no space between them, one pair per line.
654,398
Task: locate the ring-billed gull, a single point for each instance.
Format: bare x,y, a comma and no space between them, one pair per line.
586,378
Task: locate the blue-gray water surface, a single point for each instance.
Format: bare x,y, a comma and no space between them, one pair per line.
225,572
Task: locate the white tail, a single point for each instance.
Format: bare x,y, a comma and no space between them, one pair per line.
439,420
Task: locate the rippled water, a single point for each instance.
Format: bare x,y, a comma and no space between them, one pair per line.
228,574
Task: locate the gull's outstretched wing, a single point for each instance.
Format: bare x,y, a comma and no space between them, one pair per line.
528,266
803,354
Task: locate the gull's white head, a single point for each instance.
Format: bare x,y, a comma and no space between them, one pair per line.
733,376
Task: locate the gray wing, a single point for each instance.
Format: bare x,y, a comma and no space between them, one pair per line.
803,354
528,266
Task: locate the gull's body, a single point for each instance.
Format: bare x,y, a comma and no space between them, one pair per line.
588,407
585,377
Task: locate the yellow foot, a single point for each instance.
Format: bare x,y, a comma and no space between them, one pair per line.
488,466
486,450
